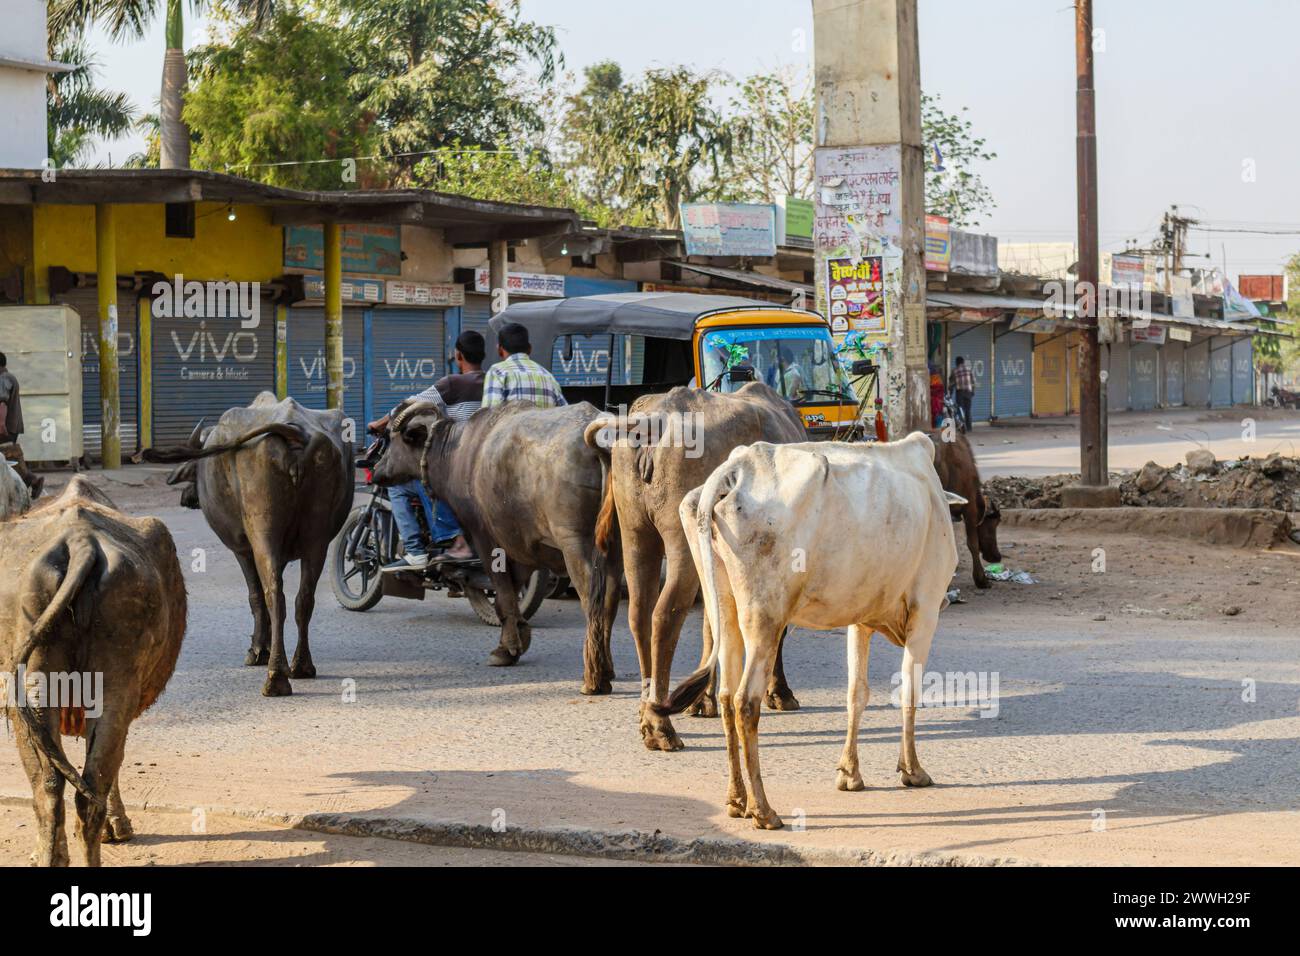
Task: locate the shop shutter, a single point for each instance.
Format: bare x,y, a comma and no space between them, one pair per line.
406,354
1013,358
1220,372
1049,374
591,359
85,302
1117,383
1173,360
306,360
204,366
1196,387
1243,372
974,343
1143,381
474,315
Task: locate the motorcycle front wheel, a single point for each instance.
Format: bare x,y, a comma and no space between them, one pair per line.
357,583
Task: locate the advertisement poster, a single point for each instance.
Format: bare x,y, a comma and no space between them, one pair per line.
370,250
938,244
729,229
858,225
855,290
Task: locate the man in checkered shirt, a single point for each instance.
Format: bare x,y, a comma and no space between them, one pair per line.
962,381
517,378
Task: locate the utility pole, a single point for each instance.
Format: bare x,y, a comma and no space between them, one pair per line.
869,230
1091,471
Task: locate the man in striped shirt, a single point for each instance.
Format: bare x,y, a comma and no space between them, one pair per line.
459,396
517,378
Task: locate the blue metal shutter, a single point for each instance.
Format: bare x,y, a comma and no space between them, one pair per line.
1117,383
474,315
406,354
974,343
1014,360
1243,372
1143,380
1220,372
306,358
202,367
85,302
1196,389
591,360
1173,358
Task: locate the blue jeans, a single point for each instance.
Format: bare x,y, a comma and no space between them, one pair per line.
445,524
402,498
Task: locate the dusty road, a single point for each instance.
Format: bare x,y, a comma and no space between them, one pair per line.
1051,446
1150,714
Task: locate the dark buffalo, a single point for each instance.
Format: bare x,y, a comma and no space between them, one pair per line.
275,482
955,463
526,490
85,590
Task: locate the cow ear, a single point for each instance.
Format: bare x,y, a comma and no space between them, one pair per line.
415,434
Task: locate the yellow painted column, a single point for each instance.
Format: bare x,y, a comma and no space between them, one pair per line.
106,269
333,315
281,352
144,354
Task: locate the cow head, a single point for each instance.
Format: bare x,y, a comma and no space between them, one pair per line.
409,430
990,517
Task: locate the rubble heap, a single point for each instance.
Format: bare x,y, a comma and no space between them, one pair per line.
1200,482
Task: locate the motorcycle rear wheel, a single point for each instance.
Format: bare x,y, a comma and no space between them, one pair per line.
530,599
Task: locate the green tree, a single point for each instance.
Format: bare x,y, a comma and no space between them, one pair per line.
77,110
773,128
651,144
436,72
281,92
952,187
130,19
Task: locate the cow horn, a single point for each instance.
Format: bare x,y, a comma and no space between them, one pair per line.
410,411
196,440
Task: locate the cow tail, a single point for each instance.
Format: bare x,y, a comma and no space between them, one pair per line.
83,555
690,690
607,519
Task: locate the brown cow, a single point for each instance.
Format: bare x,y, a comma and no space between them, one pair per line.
90,600
666,445
955,463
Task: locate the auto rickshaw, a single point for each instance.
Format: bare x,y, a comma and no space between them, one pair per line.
666,339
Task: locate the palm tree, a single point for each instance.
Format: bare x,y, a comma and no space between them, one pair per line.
77,110
130,19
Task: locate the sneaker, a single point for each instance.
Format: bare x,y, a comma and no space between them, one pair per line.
408,562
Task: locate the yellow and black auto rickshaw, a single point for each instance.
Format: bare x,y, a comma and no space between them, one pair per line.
611,349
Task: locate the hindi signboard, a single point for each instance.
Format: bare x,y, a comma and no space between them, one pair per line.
938,244
535,284
402,292
729,229
370,250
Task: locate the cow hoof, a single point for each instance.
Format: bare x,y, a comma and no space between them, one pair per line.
983,583
303,671
735,809
847,781
277,685
255,658
918,779
706,706
118,830
502,658
782,700
599,689
765,821
661,738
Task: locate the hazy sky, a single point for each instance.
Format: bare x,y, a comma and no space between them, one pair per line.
1188,93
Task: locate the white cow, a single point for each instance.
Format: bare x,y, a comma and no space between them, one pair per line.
819,535
14,496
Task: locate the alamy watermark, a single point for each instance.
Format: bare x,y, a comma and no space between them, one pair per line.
209,300
654,429
77,689
973,689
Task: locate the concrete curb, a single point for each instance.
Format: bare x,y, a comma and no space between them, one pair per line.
635,845
1235,527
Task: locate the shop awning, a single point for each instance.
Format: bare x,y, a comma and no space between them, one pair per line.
746,278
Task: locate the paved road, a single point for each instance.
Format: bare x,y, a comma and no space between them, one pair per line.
1051,447
1125,741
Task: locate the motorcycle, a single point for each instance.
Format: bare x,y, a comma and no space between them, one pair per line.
1284,398
369,540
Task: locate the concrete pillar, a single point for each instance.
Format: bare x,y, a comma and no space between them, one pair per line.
333,315
498,260
870,187
106,276
144,355
281,352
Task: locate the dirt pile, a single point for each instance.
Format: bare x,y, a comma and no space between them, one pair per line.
1272,482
